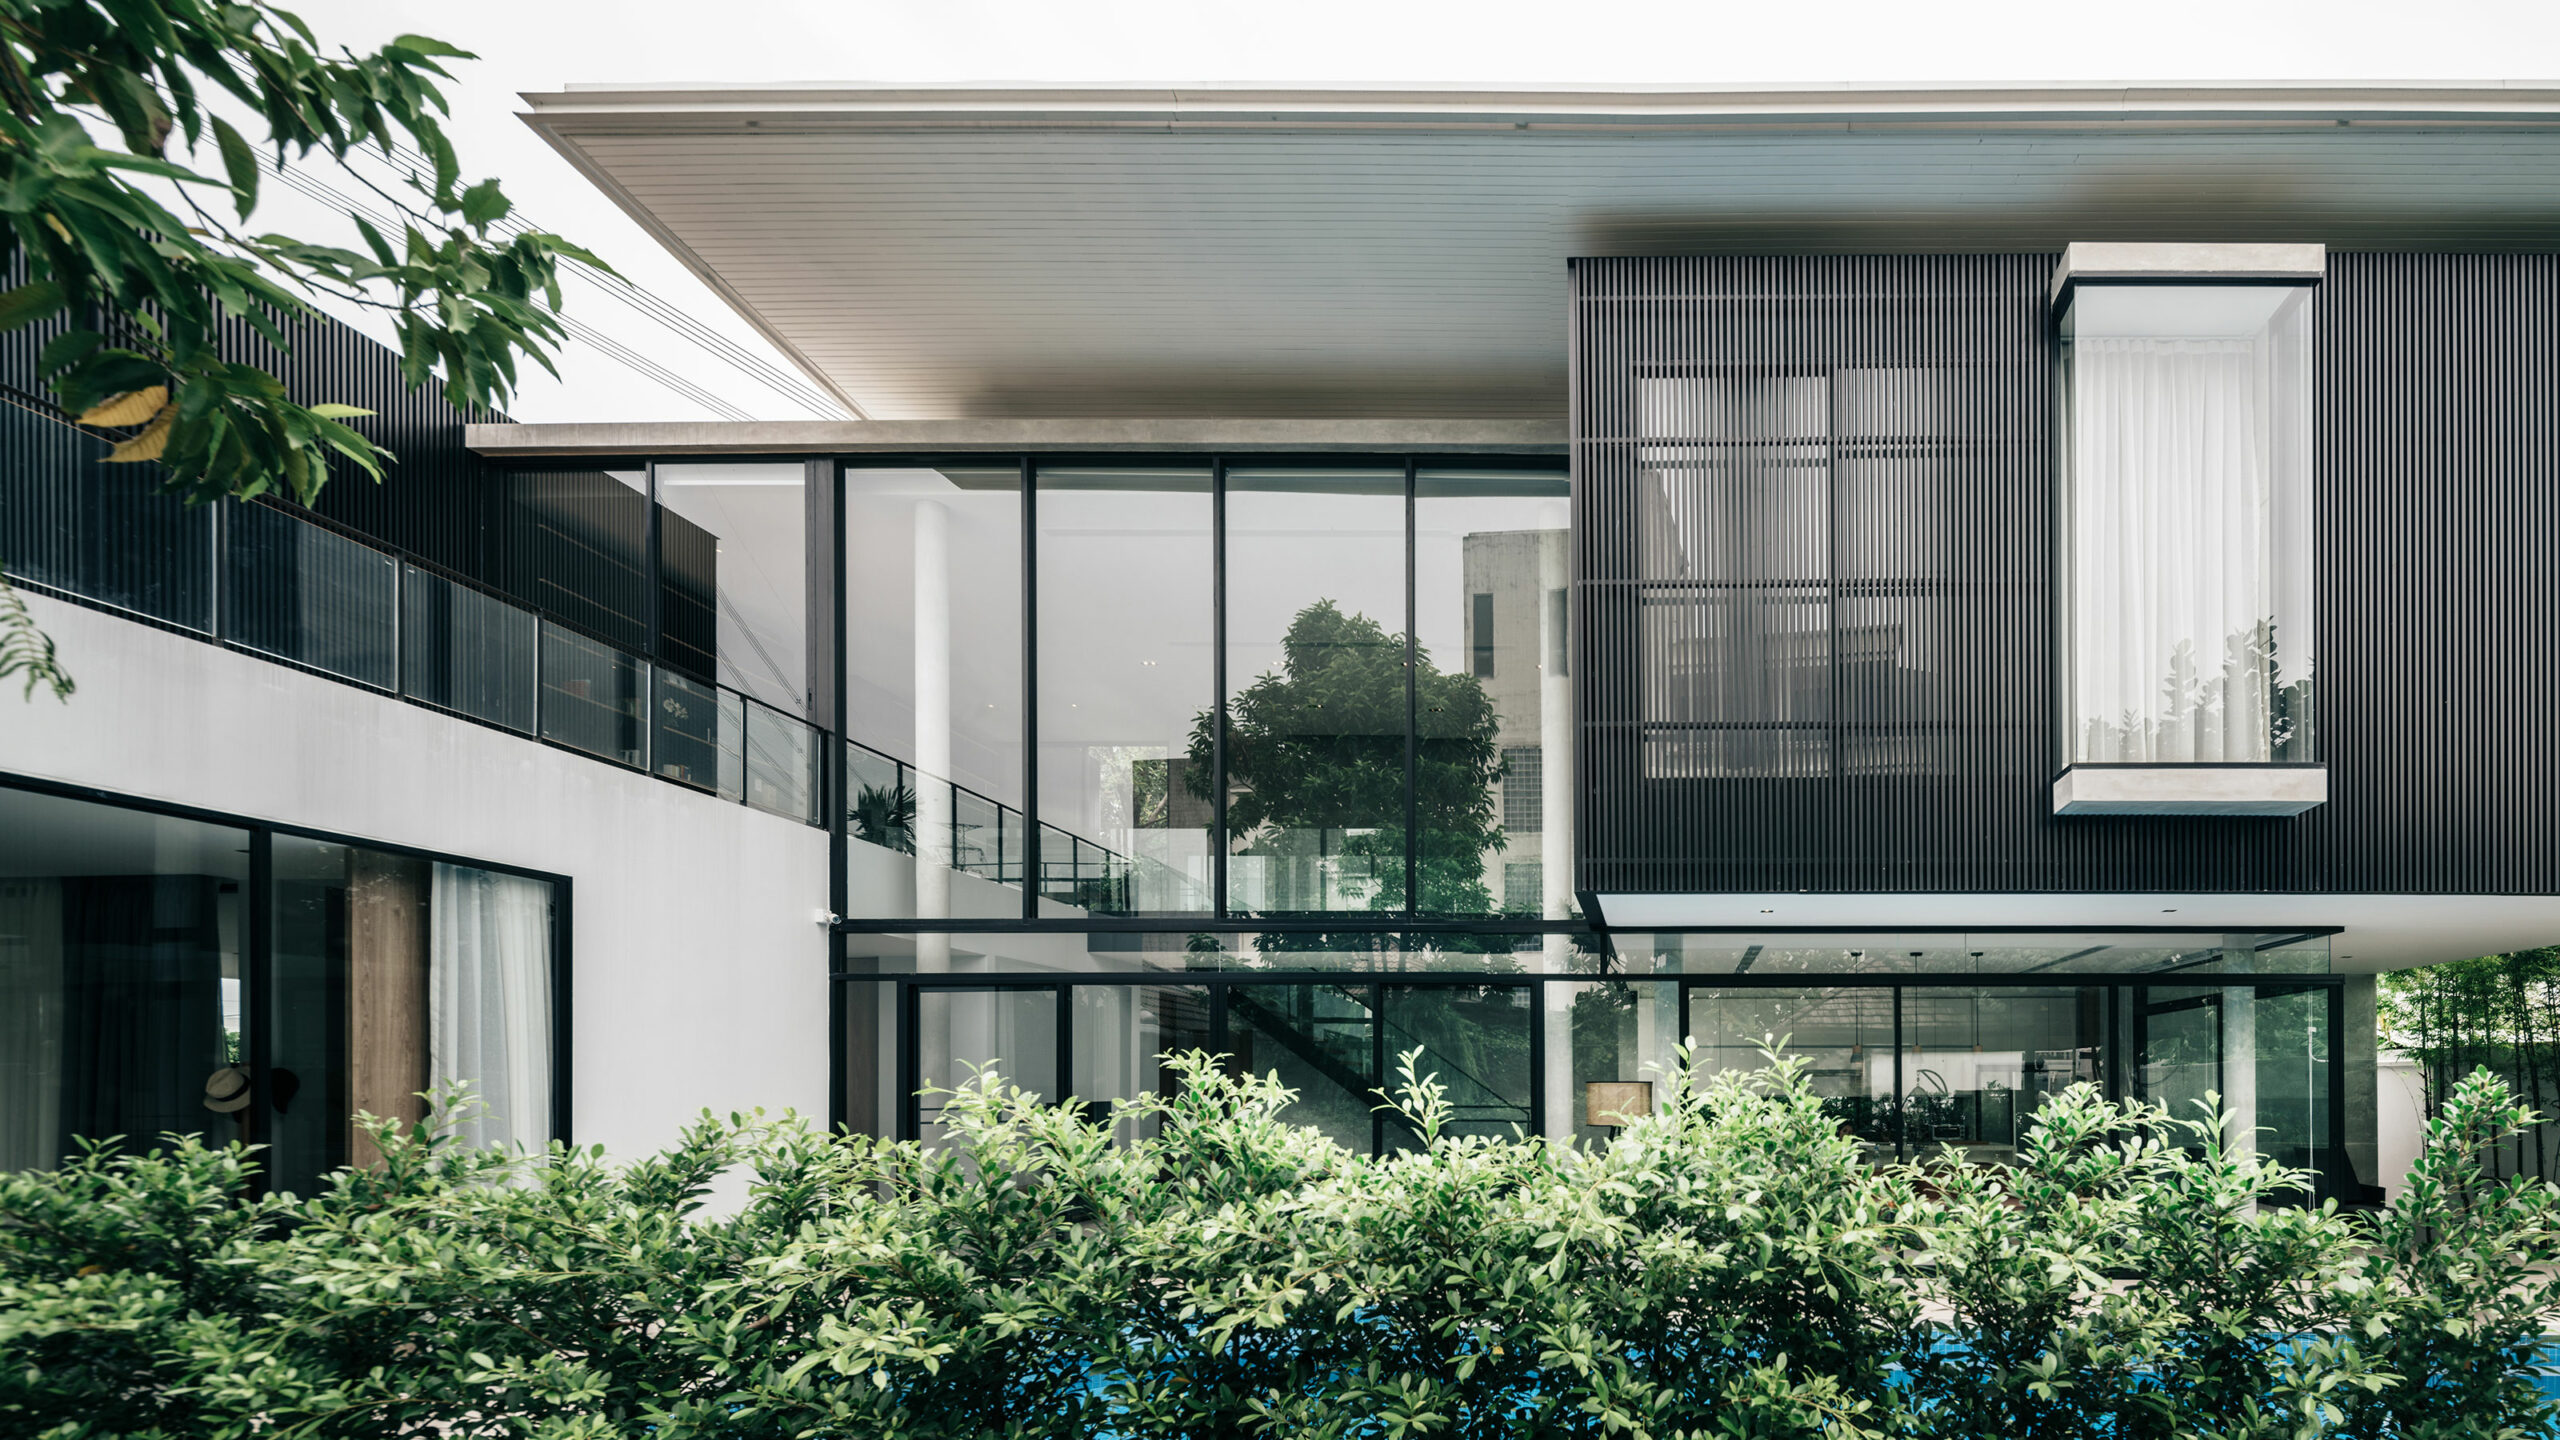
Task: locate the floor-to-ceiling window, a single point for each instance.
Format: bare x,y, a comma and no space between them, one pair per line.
1128,687
1279,716
1317,700
162,974
933,684
1288,777
1920,1045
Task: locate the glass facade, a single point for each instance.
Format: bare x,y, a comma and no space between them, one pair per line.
933,682
1128,687
1305,729
1493,708
1921,1043
755,520
1392,736
1317,699
2185,453
158,976
123,969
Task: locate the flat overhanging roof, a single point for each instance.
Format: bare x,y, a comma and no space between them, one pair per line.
671,439
1121,251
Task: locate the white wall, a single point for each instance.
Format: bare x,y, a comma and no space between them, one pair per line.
2400,1119
699,967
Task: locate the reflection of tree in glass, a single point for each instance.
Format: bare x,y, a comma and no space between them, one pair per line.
1318,747
2251,684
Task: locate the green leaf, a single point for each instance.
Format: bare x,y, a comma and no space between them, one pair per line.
335,411
484,203
33,301
427,45
240,162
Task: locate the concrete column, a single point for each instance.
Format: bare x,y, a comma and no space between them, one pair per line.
933,728
2364,1107
2240,1070
1555,726
1657,1030
1555,737
1562,1103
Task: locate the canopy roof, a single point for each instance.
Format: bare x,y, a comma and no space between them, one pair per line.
941,253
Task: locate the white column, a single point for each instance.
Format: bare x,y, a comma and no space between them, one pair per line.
1555,827
2240,1071
1555,737
933,728
1656,1032
1562,1103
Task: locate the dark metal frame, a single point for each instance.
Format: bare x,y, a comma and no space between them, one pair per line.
257,940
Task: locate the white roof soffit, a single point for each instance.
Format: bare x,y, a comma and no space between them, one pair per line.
2375,932
1115,251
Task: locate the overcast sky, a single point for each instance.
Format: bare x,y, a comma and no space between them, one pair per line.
546,44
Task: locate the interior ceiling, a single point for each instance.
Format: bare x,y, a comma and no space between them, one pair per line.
932,254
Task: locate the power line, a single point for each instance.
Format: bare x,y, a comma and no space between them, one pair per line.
789,384
576,329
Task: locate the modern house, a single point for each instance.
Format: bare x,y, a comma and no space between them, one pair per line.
2000,586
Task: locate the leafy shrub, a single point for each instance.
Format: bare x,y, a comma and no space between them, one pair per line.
1726,1267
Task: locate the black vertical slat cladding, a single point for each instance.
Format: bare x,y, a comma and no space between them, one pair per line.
1882,717
573,545
436,500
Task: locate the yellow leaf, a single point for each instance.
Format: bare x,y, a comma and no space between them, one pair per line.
150,443
131,408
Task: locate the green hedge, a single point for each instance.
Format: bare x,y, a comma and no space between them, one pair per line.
1728,1267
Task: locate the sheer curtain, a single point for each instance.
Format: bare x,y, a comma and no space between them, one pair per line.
489,1000
2173,483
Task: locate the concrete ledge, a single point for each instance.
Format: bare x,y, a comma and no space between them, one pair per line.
2141,260
963,437
2190,789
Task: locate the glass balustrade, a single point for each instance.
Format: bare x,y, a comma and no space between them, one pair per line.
263,579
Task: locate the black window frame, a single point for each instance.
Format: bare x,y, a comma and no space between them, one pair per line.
257,939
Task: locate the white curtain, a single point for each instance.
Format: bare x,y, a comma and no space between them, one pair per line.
2173,479
489,1000
31,1020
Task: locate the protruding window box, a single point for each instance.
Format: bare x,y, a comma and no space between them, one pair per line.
2190,789
2186,659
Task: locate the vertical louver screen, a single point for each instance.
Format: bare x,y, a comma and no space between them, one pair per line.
1814,499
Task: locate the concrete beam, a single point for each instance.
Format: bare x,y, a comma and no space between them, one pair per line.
667,439
2146,260
2190,789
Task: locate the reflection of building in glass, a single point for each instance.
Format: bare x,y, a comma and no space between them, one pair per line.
1518,641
